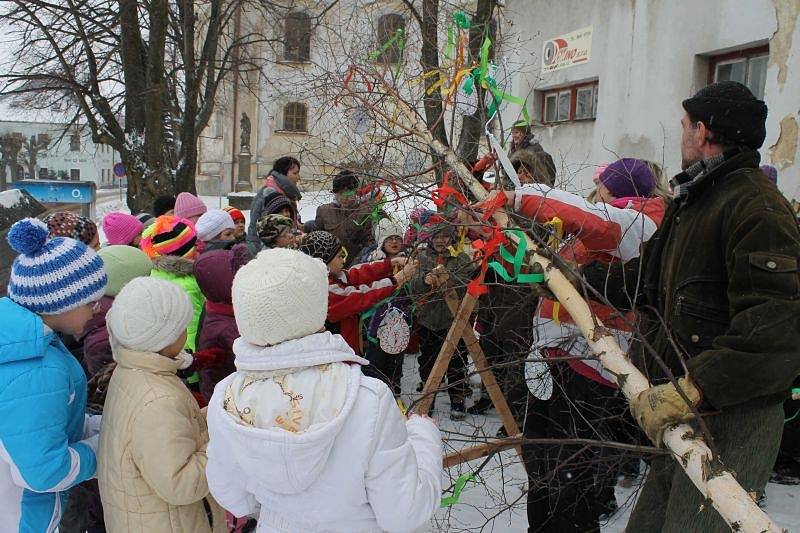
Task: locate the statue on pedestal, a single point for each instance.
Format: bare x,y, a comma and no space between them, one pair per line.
245,126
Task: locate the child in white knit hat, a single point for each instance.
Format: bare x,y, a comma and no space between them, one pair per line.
299,437
216,229
152,455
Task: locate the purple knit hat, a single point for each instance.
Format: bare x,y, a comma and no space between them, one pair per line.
628,177
215,270
770,172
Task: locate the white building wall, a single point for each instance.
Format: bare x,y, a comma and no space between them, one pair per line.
345,36
648,56
94,162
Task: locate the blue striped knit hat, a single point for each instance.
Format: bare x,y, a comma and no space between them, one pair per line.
52,276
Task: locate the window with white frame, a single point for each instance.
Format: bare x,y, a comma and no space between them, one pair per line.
748,67
577,102
585,102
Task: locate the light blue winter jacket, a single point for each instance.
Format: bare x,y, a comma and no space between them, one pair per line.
42,423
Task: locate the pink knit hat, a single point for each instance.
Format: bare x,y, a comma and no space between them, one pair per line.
121,228
188,205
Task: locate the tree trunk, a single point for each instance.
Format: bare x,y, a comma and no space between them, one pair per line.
469,139
133,65
154,159
429,59
187,163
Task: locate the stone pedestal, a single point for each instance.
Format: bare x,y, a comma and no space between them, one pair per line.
241,200
243,182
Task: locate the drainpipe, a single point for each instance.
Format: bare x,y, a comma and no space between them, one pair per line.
237,23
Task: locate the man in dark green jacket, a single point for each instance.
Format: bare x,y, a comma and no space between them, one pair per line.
722,309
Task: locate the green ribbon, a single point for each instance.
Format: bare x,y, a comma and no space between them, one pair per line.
490,84
516,260
484,68
795,391
451,43
459,486
375,215
397,38
462,20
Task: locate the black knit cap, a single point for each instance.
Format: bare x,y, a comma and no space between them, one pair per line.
162,204
322,245
345,180
728,108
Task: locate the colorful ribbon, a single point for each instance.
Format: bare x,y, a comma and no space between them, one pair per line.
397,38
481,76
516,260
459,247
457,488
348,77
485,250
377,211
557,233
440,194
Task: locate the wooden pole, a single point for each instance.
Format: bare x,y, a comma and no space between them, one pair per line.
484,370
460,321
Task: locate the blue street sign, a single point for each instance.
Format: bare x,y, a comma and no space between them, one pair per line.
119,170
58,191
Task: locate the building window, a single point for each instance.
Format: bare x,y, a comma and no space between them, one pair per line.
43,173
388,26
745,66
75,143
578,102
297,38
75,174
295,117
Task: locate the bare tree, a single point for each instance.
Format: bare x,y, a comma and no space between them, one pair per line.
142,76
31,148
10,146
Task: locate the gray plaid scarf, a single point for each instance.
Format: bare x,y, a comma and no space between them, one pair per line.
685,179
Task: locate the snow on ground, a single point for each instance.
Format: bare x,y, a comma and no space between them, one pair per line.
497,503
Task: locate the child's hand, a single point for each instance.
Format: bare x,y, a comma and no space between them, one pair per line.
407,272
399,262
437,277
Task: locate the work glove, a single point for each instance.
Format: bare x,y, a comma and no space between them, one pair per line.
660,407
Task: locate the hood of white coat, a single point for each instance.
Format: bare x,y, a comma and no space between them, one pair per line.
273,458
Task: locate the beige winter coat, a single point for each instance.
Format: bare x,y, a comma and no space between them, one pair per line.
152,454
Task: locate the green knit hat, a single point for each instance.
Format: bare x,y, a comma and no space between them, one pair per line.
123,263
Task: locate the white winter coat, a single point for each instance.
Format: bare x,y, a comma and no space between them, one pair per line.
300,438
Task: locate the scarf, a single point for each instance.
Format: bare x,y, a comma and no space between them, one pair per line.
683,181
288,186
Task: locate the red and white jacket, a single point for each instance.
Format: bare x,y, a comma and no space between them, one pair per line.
602,232
354,291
